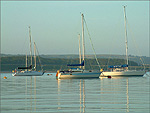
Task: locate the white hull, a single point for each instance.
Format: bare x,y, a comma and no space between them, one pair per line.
123,73
77,75
28,73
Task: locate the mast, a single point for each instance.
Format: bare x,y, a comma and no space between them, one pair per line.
26,61
30,44
83,46
35,56
79,51
126,42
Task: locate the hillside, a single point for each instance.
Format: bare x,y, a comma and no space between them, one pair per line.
9,63
136,59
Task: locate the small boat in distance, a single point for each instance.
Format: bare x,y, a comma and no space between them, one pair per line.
29,70
77,73
122,70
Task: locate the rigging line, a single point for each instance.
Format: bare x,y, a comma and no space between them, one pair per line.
132,35
90,64
92,45
24,47
115,34
39,58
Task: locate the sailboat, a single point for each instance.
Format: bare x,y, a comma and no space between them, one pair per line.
28,70
78,72
122,70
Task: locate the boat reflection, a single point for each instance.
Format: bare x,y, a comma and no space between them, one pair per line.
29,93
82,99
127,93
99,94
114,88
62,100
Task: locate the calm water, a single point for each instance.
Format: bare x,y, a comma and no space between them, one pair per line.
46,94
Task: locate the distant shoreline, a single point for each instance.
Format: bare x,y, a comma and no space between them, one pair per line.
5,72
12,72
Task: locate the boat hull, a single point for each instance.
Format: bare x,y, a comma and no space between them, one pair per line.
78,75
123,73
28,73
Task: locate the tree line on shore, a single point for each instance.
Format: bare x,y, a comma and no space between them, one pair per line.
53,64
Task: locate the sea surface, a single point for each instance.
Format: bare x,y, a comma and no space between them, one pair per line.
46,94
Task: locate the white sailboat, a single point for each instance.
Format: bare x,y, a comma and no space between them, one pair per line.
122,70
28,71
78,72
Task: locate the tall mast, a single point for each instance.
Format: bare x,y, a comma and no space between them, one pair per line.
30,44
83,46
126,42
26,61
79,51
35,55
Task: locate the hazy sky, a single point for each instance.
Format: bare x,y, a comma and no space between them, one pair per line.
55,26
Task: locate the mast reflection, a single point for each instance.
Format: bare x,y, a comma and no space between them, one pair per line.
30,89
81,89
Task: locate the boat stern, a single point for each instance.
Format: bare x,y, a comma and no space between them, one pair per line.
58,74
14,74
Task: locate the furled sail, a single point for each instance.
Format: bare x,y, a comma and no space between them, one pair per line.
30,67
118,66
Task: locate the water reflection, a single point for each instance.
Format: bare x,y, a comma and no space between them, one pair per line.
32,93
82,93
127,96
112,92
46,94
66,96
118,91
58,94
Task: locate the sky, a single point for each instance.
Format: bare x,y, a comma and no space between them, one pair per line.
55,26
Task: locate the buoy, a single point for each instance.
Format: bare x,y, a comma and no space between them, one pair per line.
109,76
5,77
